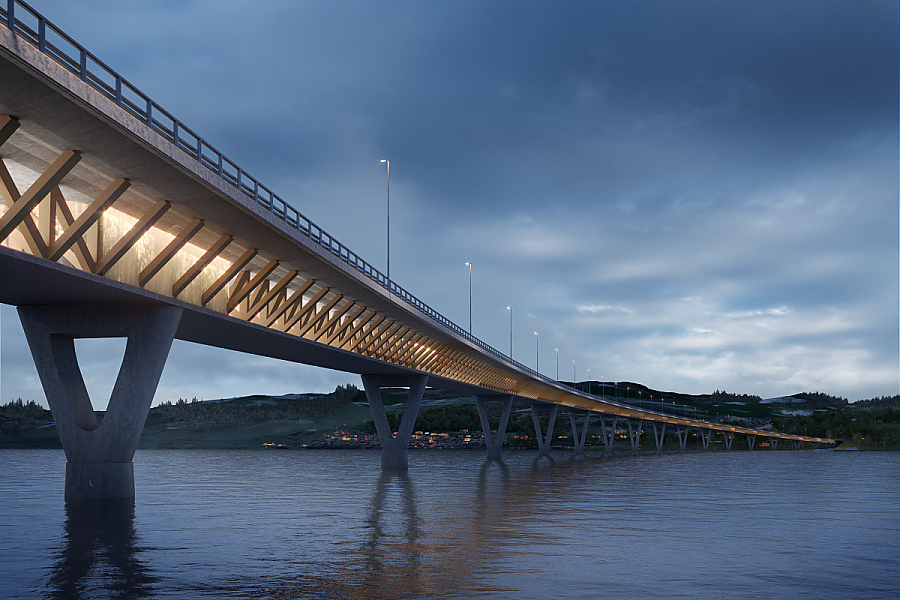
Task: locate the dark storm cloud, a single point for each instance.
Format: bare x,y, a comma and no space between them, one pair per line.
692,195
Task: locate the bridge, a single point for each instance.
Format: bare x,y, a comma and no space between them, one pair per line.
119,220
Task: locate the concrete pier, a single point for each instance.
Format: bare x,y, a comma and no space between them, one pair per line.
634,434
494,444
543,442
99,455
394,448
608,438
659,434
579,439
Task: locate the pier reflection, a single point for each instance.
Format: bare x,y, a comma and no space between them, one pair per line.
100,553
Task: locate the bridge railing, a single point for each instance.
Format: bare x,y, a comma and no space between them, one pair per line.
30,25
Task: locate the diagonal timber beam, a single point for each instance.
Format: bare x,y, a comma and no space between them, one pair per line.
333,320
80,249
289,303
76,230
8,125
319,316
195,269
228,275
280,287
355,329
304,310
27,228
345,325
169,252
48,180
375,329
130,239
245,290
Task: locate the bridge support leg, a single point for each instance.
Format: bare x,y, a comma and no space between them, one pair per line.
608,438
494,446
729,437
394,448
659,433
635,436
579,440
773,441
705,438
682,434
751,440
797,444
99,455
543,443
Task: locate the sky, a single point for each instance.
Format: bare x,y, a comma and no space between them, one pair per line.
693,195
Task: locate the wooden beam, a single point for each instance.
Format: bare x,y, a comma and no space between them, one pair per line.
359,325
344,326
80,249
379,339
76,230
27,228
227,276
280,287
169,252
289,303
130,239
334,320
245,290
319,316
195,269
376,330
7,126
48,180
304,310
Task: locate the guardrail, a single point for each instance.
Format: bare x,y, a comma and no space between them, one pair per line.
33,27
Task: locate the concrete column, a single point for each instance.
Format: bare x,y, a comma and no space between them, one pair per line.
797,444
394,448
635,436
579,439
543,443
773,441
99,455
751,440
815,445
682,433
729,436
660,435
705,438
494,446
608,438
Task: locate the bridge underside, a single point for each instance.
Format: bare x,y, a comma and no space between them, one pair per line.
109,200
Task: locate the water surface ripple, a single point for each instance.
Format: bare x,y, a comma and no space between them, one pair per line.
331,524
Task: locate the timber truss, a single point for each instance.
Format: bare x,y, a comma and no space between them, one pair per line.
261,290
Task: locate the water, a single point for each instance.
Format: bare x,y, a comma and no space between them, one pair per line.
330,524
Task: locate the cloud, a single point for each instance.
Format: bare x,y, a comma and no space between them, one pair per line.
691,195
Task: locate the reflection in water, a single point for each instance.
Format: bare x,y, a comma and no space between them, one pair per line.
100,553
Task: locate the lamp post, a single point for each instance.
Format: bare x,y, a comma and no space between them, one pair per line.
573,375
557,364
589,381
468,264
537,352
509,308
388,163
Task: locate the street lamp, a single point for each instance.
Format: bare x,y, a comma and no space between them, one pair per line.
468,264
557,364
388,163
537,353
509,308
589,381
573,375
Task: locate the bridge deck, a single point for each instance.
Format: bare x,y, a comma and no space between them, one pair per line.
127,204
